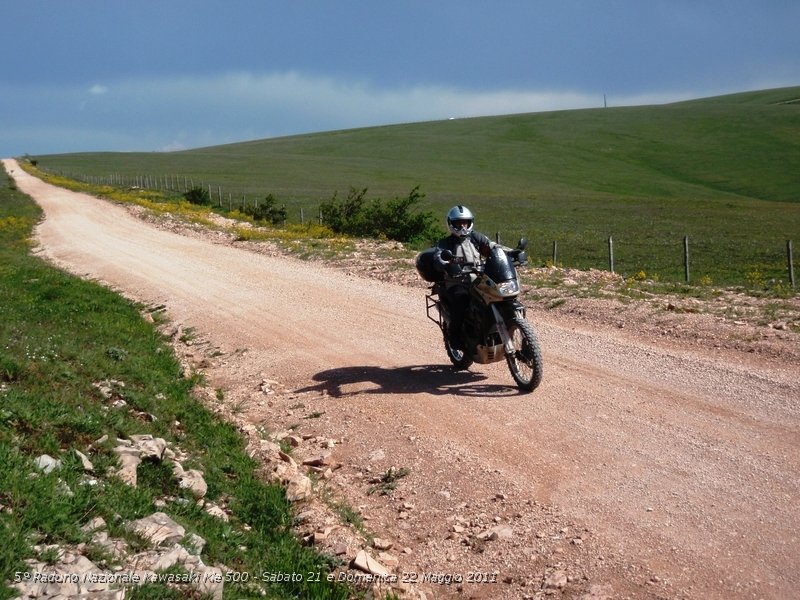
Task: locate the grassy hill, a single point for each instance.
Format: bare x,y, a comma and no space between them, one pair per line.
725,171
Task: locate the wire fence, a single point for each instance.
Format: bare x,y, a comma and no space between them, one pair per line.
682,258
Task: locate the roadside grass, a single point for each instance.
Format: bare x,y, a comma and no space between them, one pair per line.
722,171
61,336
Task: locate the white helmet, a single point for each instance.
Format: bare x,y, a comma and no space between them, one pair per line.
460,221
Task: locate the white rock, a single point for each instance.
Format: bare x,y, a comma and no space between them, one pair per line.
47,464
193,481
149,447
159,528
364,562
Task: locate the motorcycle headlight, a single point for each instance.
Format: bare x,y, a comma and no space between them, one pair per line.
508,287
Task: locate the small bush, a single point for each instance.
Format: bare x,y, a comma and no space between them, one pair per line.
267,211
393,219
198,195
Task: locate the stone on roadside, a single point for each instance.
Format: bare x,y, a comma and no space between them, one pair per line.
366,563
555,580
159,529
129,460
47,464
193,481
381,544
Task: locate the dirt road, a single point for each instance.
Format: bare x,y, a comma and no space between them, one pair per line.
635,470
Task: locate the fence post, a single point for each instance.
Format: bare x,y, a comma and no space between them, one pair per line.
555,252
791,262
610,254
686,257
302,217
497,237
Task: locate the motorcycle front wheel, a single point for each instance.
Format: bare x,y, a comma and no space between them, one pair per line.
525,363
460,359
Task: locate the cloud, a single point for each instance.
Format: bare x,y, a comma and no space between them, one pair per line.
168,113
286,103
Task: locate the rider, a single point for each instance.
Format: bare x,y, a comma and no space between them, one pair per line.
468,247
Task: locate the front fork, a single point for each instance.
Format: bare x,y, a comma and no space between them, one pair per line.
502,330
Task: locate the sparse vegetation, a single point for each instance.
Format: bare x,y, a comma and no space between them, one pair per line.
267,211
387,482
198,195
392,220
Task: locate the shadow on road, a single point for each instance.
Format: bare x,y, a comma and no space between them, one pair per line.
416,379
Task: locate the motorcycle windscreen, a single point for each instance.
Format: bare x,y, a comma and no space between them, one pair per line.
499,267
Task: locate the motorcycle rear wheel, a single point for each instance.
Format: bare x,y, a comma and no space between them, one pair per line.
460,359
525,363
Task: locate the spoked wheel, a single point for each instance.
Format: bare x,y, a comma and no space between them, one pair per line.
460,359
526,361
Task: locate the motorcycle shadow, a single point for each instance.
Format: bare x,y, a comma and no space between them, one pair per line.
438,380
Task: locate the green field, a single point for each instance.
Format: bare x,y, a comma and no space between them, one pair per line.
724,171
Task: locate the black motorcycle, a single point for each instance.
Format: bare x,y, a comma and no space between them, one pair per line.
494,325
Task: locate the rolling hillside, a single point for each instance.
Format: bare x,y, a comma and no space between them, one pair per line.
725,171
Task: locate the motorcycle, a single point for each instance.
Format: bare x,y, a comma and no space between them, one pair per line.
495,326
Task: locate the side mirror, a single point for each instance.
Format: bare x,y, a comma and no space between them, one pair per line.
447,256
522,243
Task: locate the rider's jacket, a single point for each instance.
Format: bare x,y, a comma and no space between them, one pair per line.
470,249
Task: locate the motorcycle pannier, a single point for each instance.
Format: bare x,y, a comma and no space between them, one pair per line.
425,267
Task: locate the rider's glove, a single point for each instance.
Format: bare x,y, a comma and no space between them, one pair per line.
453,269
520,256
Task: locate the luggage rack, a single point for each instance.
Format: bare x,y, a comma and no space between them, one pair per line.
432,301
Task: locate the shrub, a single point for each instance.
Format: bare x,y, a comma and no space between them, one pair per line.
346,216
392,219
267,211
198,195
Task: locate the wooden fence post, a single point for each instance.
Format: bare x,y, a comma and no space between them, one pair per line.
790,261
555,252
686,257
610,254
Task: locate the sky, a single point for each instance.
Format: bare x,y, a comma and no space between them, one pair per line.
161,75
